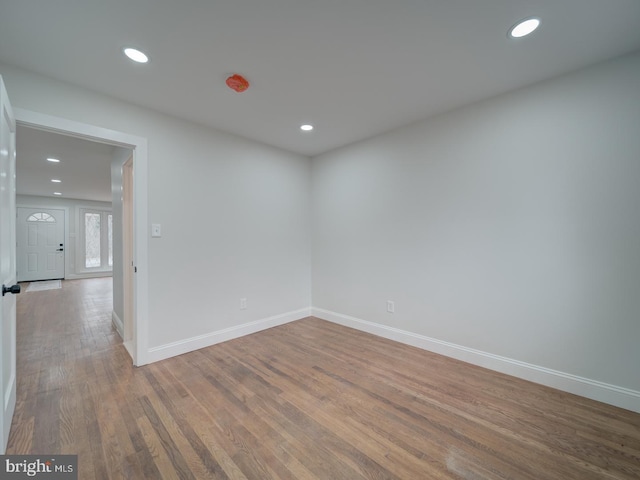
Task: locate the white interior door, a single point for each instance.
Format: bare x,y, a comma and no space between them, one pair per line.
7,265
40,243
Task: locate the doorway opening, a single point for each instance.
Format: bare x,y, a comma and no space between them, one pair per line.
130,278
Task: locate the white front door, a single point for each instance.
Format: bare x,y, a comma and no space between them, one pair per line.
7,265
40,244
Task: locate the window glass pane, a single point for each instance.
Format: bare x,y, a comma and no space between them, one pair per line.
41,217
92,240
110,224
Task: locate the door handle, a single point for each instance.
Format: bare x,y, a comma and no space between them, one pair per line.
15,289
60,250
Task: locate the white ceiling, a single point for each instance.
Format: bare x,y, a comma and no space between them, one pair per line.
84,168
353,68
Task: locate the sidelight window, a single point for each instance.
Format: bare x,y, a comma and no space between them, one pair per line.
97,235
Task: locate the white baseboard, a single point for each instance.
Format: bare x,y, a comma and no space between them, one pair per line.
201,341
593,389
80,276
117,323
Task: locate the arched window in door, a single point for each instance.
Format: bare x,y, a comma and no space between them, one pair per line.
41,217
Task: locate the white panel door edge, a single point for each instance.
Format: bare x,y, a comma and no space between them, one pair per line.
7,265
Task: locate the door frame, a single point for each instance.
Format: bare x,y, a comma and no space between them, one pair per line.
65,211
127,250
41,121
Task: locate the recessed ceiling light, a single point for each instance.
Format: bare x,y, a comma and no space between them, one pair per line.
136,55
53,160
306,128
524,27
55,180
57,193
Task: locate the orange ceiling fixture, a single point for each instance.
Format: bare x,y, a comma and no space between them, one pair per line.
237,82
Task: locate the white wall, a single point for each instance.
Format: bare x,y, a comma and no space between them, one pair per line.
510,227
72,269
234,216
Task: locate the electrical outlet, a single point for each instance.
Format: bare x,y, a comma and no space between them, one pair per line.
391,306
243,304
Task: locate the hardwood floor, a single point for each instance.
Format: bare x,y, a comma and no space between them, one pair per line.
307,400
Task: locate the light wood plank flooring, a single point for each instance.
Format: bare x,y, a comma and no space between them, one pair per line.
308,400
